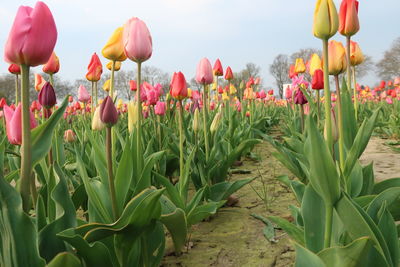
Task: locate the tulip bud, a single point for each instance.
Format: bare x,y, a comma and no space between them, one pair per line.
117,65
299,66
242,85
47,96
218,70
138,45
326,21
178,87
97,124
132,116
83,95
114,49
228,74
108,112
356,55
69,136
204,72
216,121
196,120
317,82
14,69
95,69
348,18
53,64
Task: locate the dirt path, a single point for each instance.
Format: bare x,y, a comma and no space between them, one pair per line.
386,161
233,237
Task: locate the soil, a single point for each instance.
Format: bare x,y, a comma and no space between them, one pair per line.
233,237
386,161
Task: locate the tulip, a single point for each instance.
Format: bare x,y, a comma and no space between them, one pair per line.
39,82
218,70
315,64
2,102
160,108
69,136
53,65
396,81
250,82
132,85
14,69
356,55
32,37
95,69
151,95
232,89
262,94
132,116
178,87
106,85
292,71
196,120
271,92
117,65
14,124
299,66
108,112
348,18
70,99
317,82
216,121
228,74
97,123
114,48
299,98
83,95
337,58
257,81
137,42
325,19
47,96
204,73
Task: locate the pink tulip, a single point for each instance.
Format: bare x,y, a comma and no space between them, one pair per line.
151,93
212,105
138,45
159,88
389,100
160,108
204,72
83,95
238,106
262,94
14,124
32,37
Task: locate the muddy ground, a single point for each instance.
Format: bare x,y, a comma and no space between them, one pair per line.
233,237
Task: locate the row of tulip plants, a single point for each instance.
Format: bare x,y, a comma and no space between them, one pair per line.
94,183
343,217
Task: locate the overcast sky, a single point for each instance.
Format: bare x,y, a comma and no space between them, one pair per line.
184,31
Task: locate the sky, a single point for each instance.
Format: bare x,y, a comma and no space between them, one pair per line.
184,31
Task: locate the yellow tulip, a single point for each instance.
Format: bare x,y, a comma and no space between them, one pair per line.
132,116
106,85
300,67
117,65
120,104
189,92
225,96
232,89
214,86
97,124
114,48
356,55
326,20
315,64
337,58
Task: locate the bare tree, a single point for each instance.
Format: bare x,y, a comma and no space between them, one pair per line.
389,67
366,67
279,69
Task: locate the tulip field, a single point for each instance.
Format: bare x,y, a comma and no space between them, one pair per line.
225,174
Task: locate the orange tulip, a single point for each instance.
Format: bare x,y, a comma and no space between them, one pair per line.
337,58
114,48
39,82
348,18
325,19
53,64
356,55
95,69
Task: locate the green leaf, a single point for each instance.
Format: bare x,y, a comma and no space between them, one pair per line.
123,177
386,184
389,231
297,187
18,247
389,196
145,177
292,230
41,135
201,212
348,116
368,179
223,190
65,259
323,174
306,258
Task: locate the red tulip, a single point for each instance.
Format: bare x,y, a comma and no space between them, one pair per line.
47,96
348,18
228,74
132,85
317,82
32,37
262,94
108,112
382,84
250,82
95,69
35,106
14,124
204,73
70,99
220,90
14,69
271,92
53,64
2,102
218,70
292,71
138,45
178,87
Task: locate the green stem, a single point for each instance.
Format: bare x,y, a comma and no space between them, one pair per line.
95,95
139,154
302,118
110,173
327,93
318,107
92,100
51,80
16,89
205,119
328,225
348,63
181,164
112,79
26,153
340,123
355,93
